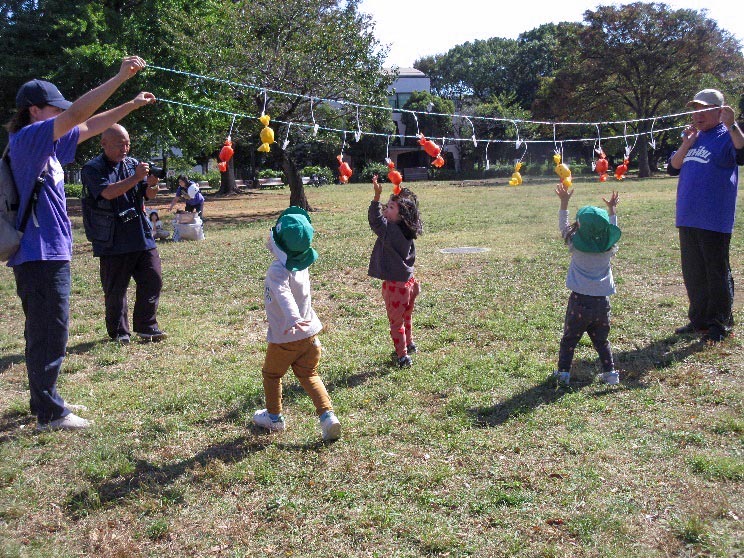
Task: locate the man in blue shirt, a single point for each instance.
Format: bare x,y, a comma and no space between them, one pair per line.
44,134
706,163
115,187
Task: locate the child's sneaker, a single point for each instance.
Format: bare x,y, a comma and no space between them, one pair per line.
611,378
404,361
261,418
562,378
330,426
411,349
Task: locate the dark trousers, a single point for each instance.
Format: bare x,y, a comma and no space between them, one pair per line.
44,290
144,268
198,208
707,275
590,314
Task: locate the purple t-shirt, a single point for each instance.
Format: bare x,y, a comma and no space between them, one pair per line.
48,233
708,180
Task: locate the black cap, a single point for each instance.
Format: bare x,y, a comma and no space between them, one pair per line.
40,93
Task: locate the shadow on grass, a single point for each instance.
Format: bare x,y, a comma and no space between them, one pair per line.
11,423
633,364
7,361
147,477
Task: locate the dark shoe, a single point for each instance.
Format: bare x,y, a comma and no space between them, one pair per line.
689,329
122,339
715,335
153,336
411,349
404,361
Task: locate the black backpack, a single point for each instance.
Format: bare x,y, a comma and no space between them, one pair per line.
10,237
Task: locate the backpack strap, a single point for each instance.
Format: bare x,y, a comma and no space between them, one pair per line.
38,185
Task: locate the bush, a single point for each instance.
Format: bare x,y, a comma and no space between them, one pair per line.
270,173
372,168
324,172
74,190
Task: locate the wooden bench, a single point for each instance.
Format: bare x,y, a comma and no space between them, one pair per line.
270,183
204,186
415,173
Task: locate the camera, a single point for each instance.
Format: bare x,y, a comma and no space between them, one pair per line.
156,171
127,215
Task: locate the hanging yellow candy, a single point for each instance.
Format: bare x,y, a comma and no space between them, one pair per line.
267,134
562,170
516,178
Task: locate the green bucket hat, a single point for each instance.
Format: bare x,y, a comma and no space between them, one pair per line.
293,234
595,233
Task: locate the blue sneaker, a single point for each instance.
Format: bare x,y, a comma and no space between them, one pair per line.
562,378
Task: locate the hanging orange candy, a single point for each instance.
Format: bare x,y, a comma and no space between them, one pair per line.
433,150
601,166
225,155
344,170
394,177
620,170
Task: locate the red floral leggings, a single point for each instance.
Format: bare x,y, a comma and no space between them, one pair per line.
399,299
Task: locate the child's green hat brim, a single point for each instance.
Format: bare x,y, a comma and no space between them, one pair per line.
595,233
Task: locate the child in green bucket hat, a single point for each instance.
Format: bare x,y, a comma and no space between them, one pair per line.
293,324
592,241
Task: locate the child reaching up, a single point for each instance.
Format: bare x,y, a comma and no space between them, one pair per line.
591,239
293,324
396,224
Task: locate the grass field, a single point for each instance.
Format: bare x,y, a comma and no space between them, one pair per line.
471,452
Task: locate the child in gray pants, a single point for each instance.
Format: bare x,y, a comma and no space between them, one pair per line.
592,241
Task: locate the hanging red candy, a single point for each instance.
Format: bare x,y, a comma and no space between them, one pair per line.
620,170
226,154
394,177
344,170
602,165
433,150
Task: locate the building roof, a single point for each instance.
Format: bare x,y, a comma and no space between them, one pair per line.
407,72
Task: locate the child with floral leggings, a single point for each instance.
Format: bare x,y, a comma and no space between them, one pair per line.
396,224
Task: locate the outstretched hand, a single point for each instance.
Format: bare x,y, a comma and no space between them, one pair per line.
377,187
144,98
564,194
130,65
612,202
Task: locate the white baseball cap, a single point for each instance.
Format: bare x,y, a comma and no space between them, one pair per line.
707,97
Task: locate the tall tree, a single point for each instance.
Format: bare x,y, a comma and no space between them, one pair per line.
323,49
640,60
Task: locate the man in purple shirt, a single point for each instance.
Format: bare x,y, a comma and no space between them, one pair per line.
44,134
706,163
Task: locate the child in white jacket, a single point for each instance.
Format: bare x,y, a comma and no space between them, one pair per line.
293,324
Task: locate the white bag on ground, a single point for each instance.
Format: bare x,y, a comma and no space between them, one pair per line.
188,226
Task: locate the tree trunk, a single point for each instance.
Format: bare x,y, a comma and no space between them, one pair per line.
227,180
644,171
296,188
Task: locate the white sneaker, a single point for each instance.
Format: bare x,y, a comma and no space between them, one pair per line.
261,418
562,378
330,426
67,422
611,378
75,408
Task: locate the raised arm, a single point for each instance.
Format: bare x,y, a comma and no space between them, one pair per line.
101,122
88,104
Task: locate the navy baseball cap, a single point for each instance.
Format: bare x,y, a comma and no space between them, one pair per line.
40,93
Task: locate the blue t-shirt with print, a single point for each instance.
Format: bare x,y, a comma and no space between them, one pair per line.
708,182
48,233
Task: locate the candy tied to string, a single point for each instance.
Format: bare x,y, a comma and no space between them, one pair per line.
620,170
516,178
225,155
344,170
562,170
432,150
601,165
267,134
394,176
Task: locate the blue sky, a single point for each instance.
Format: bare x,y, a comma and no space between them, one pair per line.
416,28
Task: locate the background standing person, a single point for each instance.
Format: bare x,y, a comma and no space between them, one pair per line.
115,188
706,163
396,224
44,134
188,192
